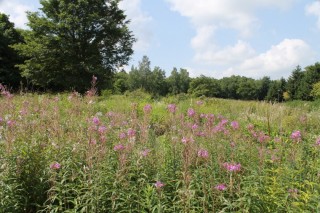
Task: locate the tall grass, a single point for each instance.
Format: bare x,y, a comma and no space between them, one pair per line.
68,153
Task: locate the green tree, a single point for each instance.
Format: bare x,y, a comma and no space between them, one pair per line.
315,92
120,82
140,77
178,82
206,86
70,41
9,74
294,82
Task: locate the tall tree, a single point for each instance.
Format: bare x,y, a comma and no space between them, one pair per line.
178,81
71,40
9,74
294,82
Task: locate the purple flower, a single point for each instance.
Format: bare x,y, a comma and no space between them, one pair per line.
191,112
102,129
55,166
202,153
318,142
96,120
122,135
232,167
296,135
172,108
145,152
220,187
131,133
186,140
147,108
159,184
11,123
235,125
194,126
118,147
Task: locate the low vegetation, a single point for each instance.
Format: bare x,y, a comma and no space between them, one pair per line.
73,153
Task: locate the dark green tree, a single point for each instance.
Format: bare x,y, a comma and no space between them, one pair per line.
71,40
178,81
263,87
9,74
203,85
247,89
294,82
311,75
140,77
120,82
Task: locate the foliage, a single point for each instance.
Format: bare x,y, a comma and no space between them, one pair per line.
70,41
9,74
68,153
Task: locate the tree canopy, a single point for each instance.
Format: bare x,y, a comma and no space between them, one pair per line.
71,40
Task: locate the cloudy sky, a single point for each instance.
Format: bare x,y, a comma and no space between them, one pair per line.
216,38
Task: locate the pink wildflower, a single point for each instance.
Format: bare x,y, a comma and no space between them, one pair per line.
186,140
318,142
172,108
202,153
232,167
159,184
131,133
296,135
235,125
191,112
145,152
194,126
122,135
11,123
55,166
102,129
118,147
220,187
96,120
147,108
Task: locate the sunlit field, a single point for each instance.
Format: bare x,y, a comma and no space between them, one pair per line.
73,153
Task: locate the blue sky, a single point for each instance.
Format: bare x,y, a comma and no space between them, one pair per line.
252,38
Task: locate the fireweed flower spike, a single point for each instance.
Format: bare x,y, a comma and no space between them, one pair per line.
172,108
202,153
191,112
232,167
118,147
147,108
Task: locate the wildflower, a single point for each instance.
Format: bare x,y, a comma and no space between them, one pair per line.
102,129
194,126
186,140
96,120
199,103
145,152
122,135
10,123
1,119
232,167
250,127
131,133
296,135
232,144
159,184
191,112
263,137
147,108
172,108
235,125
293,192
118,147
220,187
55,166
202,153
93,142
318,142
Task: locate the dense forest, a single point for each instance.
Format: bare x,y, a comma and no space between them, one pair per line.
69,42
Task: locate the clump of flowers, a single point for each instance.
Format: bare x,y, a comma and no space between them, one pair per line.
131,133
122,135
220,187
318,142
232,167
186,140
55,166
202,153
145,153
296,136
235,125
293,192
118,147
191,112
96,120
172,108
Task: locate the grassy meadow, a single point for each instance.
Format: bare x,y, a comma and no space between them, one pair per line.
72,153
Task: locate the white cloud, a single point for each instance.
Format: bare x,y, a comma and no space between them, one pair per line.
314,9
140,23
278,61
17,12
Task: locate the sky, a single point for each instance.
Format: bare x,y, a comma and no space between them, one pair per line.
216,38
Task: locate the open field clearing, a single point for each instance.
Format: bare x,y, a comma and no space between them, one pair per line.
68,153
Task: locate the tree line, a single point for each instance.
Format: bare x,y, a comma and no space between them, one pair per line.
301,85
68,42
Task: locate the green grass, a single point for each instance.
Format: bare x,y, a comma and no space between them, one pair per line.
81,134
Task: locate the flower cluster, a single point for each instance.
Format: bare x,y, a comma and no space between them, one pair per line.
231,167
